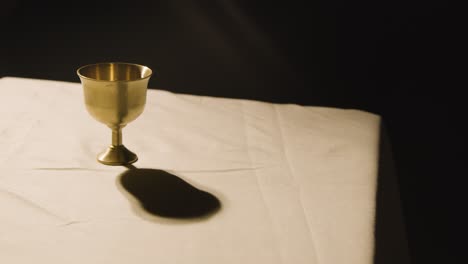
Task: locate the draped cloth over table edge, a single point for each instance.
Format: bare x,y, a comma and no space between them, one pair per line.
297,184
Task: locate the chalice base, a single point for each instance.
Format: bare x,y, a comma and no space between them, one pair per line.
117,155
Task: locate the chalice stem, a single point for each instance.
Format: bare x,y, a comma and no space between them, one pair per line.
117,153
117,136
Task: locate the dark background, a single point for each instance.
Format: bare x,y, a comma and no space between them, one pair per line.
398,59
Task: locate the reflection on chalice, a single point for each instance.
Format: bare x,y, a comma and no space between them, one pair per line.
115,94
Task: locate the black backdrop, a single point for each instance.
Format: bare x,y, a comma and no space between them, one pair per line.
394,58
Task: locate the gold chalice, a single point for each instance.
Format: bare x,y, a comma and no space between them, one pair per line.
115,94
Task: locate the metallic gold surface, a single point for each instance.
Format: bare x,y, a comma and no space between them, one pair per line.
115,95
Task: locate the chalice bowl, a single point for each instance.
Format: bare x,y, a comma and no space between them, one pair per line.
115,95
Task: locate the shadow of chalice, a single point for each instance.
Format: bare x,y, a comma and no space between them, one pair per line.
160,196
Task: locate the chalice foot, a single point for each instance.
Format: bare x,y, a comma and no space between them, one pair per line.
117,155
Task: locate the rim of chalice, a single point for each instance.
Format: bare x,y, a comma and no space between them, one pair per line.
90,72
